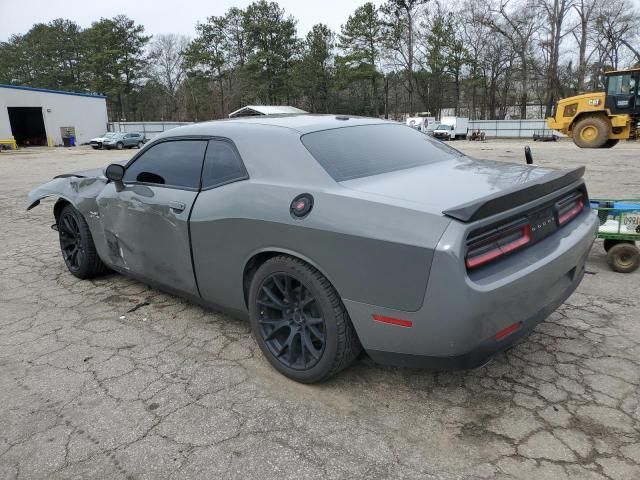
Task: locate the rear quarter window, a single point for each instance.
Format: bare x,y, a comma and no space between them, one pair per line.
364,150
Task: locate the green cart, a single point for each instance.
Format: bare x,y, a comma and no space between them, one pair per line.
620,229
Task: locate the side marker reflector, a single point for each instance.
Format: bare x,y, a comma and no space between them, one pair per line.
505,332
393,321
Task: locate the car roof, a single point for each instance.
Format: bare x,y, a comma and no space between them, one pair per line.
302,124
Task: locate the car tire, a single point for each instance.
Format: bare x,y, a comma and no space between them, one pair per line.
140,145
76,243
119,145
624,258
95,147
299,321
591,132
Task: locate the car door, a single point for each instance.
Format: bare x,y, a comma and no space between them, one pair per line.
146,218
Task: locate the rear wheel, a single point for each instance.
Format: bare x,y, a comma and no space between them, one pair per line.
119,145
624,258
299,321
591,132
76,243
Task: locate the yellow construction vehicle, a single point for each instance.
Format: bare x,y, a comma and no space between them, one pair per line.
601,119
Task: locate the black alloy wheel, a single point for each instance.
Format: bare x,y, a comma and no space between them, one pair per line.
290,321
76,243
71,241
299,321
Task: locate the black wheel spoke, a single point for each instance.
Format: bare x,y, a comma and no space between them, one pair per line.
310,347
314,320
273,297
279,283
306,298
66,240
67,225
287,288
290,321
276,328
316,333
270,304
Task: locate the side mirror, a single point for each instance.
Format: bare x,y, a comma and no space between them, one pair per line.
115,172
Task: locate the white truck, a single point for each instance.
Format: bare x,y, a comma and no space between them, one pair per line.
422,123
452,128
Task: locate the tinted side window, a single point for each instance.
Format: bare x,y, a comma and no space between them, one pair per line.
177,164
222,165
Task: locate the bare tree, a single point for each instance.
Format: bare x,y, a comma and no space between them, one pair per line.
616,23
584,10
400,19
518,24
166,66
556,12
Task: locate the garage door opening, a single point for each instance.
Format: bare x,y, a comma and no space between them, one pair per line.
27,126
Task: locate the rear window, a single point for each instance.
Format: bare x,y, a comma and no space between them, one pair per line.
365,150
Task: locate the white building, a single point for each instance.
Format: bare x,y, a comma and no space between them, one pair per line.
37,116
259,110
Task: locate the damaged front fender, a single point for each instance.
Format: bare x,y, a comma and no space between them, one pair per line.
80,192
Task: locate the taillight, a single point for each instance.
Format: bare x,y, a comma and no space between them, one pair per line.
569,208
490,245
502,242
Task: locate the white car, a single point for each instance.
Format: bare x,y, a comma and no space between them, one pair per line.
99,141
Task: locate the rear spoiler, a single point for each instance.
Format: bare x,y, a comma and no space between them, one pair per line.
514,196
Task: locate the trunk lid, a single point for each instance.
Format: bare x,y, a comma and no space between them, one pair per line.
467,189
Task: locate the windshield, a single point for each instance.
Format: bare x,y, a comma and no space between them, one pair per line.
355,152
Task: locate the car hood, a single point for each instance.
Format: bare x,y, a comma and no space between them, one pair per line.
91,173
460,187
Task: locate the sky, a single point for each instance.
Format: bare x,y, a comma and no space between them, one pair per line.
162,16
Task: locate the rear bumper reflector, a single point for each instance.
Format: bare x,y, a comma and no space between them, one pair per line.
393,321
505,332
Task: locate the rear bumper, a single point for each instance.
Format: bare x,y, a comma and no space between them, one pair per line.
483,351
457,324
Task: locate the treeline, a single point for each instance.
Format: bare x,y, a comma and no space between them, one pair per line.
478,58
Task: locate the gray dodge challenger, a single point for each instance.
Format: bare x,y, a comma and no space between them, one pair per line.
335,234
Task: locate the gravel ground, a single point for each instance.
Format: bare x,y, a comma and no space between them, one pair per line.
112,379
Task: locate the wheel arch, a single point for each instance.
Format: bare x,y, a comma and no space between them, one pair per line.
61,202
257,258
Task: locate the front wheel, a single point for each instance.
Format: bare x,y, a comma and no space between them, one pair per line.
300,322
592,132
78,250
140,145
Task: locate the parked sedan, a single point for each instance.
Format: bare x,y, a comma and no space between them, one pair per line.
118,140
333,234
